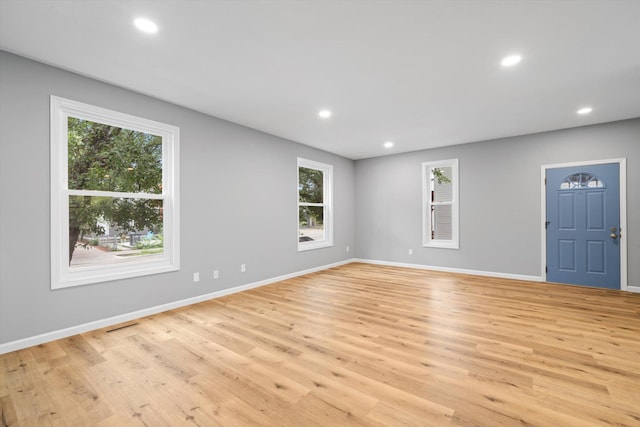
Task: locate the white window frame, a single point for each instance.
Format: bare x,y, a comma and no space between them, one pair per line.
327,204
61,275
427,203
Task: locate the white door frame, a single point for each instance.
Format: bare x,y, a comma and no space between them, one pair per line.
622,162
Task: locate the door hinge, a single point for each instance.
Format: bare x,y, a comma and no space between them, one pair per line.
546,269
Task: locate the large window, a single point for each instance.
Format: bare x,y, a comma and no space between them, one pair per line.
315,181
440,203
114,200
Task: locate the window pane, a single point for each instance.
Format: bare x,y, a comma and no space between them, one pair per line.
310,185
440,210
108,158
110,230
442,184
581,180
310,223
441,222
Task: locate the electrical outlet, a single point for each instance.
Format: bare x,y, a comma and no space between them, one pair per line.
196,277
347,248
410,251
243,268
215,274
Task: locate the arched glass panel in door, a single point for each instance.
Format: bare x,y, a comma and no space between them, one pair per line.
581,180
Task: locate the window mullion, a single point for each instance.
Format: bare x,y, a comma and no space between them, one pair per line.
96,193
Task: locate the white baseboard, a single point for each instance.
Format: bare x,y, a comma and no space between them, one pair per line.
454,270
102,323
633,289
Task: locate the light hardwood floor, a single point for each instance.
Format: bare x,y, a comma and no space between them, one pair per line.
359,345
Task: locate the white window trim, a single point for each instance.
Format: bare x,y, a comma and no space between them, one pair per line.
327,175
61,275
427,241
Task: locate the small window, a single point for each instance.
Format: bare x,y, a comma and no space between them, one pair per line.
440,203
114,202
581,180
315,217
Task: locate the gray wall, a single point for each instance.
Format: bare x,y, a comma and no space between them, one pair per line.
500,202
238,205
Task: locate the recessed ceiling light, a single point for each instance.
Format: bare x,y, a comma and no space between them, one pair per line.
585,110
145,25
325,114
388,144
510,61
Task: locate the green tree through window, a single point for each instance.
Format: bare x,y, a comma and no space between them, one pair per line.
112,159
310,190
315,182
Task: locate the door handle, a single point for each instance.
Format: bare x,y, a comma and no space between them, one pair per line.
613,234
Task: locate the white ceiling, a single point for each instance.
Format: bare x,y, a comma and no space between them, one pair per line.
420,73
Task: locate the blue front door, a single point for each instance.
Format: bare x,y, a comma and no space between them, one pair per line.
583,225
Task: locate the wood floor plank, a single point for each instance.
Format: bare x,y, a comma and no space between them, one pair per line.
356,345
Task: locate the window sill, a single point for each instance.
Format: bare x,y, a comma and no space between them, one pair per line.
441,245
308,246
99,275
